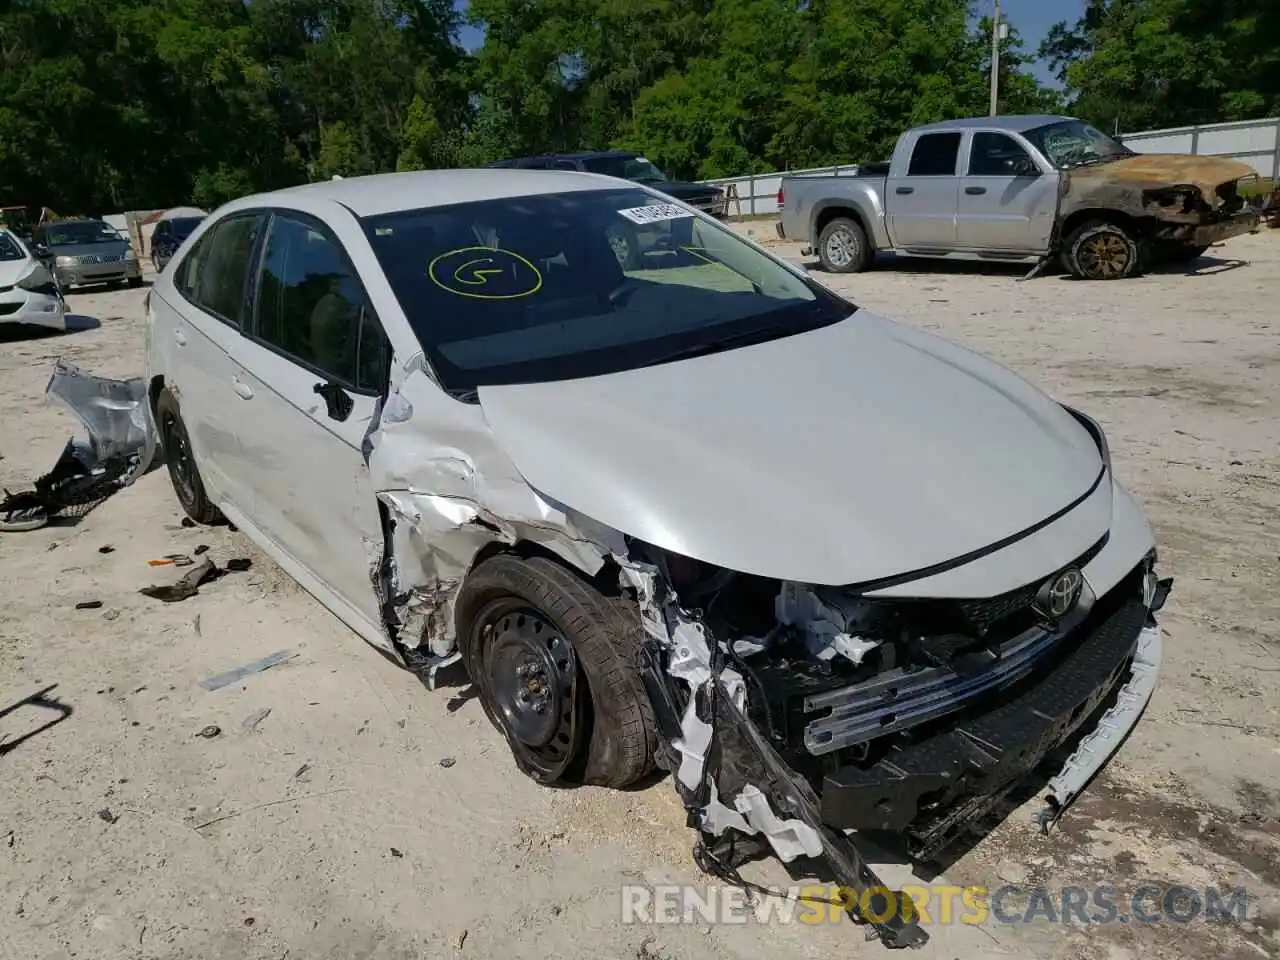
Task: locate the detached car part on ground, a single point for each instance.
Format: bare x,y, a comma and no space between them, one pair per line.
1020,188
835,574
118,448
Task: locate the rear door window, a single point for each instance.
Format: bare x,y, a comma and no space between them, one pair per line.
935,155
214,273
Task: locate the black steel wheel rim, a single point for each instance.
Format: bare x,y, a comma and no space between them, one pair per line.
530,676
178,455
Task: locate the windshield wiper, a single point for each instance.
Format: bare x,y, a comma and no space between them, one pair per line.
719,345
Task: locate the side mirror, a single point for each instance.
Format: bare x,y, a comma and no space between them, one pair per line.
338,403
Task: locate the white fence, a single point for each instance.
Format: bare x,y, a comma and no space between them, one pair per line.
1255,142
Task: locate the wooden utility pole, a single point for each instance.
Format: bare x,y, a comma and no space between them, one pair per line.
995,61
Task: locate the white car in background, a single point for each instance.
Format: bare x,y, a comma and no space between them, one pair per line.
689,509
28,293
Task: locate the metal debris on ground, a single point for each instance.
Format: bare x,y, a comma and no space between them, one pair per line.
119,448
239,673
209,732
206,571
250,724
88,604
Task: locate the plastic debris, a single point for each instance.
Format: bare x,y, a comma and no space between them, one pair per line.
88,604
250,724
120,445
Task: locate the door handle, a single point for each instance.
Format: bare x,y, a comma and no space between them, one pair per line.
242,388
975,191
905,190
179,338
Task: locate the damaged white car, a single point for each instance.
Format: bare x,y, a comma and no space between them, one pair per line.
29,295
672,503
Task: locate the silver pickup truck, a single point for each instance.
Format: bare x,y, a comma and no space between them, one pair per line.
1019,188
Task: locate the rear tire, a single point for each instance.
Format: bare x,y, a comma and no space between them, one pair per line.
555,664
1100,250
843,247
178,456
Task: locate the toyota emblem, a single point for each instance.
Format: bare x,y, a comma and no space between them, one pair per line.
1059,596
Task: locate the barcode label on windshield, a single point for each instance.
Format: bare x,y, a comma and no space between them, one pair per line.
655,212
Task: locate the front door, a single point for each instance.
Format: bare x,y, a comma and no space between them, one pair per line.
314,362
1007,202
922,204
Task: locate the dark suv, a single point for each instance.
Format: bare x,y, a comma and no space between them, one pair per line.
627,166
167,237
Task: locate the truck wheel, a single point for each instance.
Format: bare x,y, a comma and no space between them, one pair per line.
183,472
843,246
555,665
1099,250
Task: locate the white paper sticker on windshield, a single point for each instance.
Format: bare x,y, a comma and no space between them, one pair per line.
655,213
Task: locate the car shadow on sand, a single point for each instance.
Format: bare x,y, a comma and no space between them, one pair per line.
76,323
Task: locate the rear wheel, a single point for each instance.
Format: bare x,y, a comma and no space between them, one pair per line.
1099,250
183,473
554,662
843,246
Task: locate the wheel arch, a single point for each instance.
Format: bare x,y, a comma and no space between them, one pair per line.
825,213
1137,226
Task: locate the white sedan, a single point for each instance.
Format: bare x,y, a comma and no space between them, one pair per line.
685,508
28,293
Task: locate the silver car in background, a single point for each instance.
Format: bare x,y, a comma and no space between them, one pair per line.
81,252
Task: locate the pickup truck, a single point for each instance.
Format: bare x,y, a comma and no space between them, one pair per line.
1020,188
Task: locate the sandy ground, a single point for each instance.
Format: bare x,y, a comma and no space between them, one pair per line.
367,817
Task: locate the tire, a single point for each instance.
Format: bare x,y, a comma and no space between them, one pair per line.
843,247
1099,250
513,613
183,472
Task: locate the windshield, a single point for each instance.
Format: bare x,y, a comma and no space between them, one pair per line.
81,231
578,284
628,168
10,249
1070,143
182,226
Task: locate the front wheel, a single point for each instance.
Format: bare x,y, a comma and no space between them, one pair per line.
554,662
843,247
1100,250
183,473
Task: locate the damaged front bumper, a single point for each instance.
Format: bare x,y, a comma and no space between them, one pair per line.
1225,229
929,786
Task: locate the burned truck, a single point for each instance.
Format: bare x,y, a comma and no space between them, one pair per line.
1020,188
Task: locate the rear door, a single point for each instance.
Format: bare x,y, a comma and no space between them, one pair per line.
203,322
1007,201
315,361
922,201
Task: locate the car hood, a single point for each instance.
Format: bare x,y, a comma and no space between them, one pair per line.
849,453
11,271
684,191
1154,170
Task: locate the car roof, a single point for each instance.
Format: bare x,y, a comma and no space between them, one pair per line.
1017,123
392,192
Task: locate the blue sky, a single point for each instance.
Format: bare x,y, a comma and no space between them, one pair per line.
1031,18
